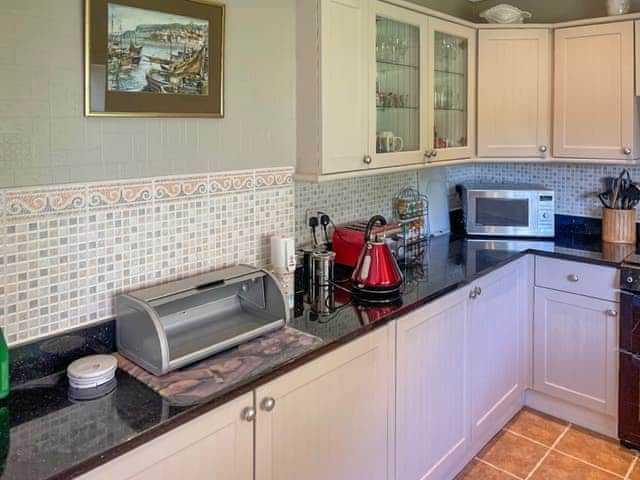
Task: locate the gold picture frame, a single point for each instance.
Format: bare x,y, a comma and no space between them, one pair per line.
173,65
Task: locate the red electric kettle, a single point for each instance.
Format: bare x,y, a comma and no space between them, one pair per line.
376,275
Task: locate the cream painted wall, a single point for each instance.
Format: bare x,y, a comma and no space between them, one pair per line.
44,137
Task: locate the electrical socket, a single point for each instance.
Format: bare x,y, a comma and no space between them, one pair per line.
311,212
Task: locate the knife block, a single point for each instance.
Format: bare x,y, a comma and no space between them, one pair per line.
619,226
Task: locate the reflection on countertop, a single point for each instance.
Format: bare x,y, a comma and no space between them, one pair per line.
48,436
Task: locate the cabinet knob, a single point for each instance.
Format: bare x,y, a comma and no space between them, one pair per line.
627,151
434,153
368,160
473,294
249,414
478,291
544,148
268,404
612,313
572,278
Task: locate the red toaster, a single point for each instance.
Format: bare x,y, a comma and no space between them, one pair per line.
348,240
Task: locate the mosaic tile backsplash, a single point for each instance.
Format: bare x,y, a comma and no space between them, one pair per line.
361,198
575,185
65,251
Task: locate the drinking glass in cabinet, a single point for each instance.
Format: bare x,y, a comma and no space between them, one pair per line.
450,91
397,85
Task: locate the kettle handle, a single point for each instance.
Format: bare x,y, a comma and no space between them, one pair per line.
372,222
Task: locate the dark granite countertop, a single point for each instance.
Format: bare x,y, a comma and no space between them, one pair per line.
49,436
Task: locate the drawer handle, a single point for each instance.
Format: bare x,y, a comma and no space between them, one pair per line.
249,414
612,313
572,278
268,404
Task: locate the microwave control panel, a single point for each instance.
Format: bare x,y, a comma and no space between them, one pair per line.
546,214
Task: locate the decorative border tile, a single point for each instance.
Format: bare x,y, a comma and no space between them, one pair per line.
274,179
222,184
27,203
118,195
180,188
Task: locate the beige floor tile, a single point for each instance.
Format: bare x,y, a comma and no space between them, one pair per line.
560,467
480,471
537,426
596,449
512,453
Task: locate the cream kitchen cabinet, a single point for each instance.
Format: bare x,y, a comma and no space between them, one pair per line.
218,444
576,349
499,347
330,419
433,427
514,93
595,114
452,91
462,367
333,58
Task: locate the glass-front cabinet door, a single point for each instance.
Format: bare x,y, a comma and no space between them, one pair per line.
398,127
452,93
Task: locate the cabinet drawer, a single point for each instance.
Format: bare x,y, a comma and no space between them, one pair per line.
580,278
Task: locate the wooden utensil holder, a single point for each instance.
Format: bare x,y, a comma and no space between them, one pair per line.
619,226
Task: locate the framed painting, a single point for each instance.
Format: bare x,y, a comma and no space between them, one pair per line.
154,58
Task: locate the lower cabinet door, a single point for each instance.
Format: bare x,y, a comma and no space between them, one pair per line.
219,445
329,419
500,312
575,347
432,401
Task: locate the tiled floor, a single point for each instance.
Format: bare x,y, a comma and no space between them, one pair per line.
538,447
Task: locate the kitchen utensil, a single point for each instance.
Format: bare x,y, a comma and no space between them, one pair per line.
322,300
621,184
605,199
377,274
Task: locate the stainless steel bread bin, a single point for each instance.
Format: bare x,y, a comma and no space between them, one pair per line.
175,324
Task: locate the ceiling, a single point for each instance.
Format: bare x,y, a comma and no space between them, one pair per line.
544,11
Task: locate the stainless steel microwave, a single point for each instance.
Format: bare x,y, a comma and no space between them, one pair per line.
508,210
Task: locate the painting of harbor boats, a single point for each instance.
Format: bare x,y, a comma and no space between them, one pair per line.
156,52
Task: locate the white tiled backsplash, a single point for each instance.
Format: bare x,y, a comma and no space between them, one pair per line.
67,250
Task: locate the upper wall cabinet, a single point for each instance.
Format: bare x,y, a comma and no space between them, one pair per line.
514,93
595,105
332,77
398,132
381,86
451,95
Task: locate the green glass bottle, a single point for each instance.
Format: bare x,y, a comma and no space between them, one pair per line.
4,366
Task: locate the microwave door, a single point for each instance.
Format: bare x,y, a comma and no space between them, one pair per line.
506,213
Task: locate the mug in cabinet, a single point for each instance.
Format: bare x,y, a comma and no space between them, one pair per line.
387,142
